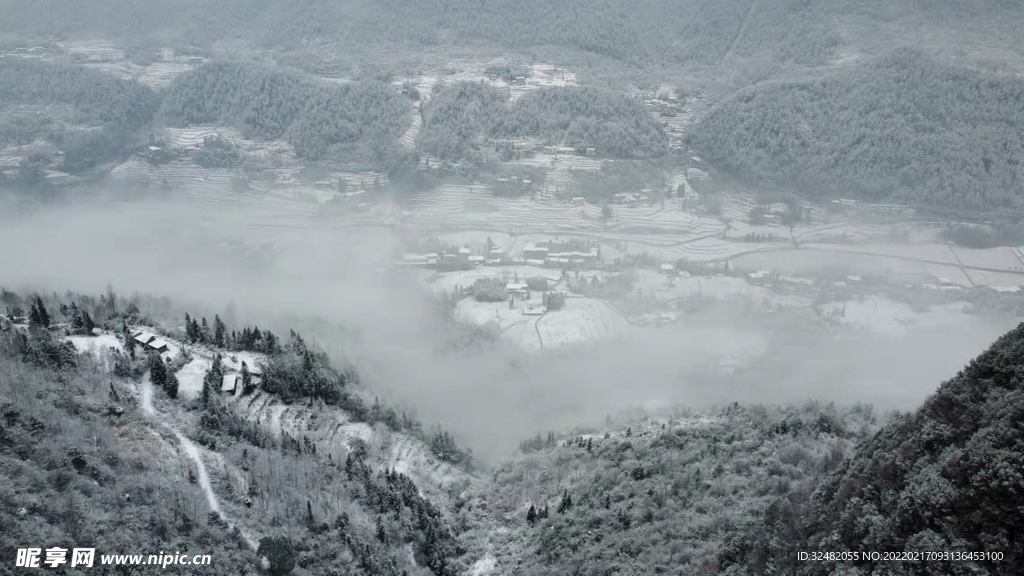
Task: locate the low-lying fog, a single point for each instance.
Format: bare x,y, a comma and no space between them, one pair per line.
490,397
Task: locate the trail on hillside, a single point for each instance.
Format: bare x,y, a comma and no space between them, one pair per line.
193,452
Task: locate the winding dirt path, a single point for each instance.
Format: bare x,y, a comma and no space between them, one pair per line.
193,452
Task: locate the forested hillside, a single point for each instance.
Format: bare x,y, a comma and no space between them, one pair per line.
742,492
463,114
615,124
318,119
457,117
635,31
904,128
717,495
88,460
88,114
948,477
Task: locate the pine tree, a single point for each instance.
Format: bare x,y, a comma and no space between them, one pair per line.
566,504
171,386
544,513
189,335
247,386
218,331
158,371
213,380
33,316
531,515
204,332
87,322
44,317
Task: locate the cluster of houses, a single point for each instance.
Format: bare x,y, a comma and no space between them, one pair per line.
463,255
546,254
553,255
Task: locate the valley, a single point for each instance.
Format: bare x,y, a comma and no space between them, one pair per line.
393,288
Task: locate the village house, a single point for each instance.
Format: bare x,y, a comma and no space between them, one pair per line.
150,341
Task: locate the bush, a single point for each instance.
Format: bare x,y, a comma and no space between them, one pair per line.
537,283
554,300
488,290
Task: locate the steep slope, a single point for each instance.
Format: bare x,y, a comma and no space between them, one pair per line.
949,477
81,468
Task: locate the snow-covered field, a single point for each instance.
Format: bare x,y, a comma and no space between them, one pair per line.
190,377
96,345
580,321
829,260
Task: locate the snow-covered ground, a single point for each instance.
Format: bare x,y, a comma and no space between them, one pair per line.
886,317
190,377
96,345
580,321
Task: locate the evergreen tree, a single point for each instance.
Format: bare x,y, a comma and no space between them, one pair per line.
204,332
87,323
531,515
33,316
247,385
158,371
219,330
44,317
213,380
279,554
566,504
171,385
190,334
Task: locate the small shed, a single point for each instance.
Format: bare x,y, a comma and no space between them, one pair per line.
230,383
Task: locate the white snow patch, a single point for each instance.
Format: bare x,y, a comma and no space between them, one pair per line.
360,430
484,566
190,377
